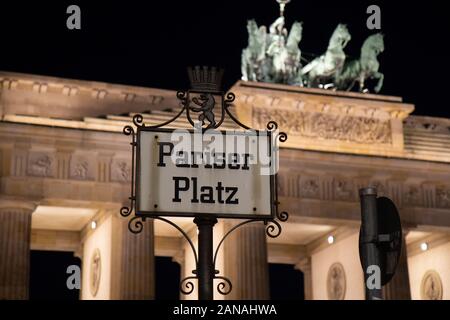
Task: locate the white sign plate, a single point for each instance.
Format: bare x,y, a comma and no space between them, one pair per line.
186,173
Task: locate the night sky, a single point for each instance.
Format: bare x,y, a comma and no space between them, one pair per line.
150,43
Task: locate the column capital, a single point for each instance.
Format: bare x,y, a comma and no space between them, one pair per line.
13,205
304,264
179,257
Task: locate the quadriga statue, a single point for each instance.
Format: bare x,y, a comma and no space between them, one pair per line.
275,56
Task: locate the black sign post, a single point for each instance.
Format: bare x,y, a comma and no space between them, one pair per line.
206,268
368,235
148,201
380,241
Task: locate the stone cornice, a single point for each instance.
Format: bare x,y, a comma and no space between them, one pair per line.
370,165
62,138
37,95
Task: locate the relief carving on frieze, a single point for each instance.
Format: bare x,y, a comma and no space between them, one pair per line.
81,168
343,189
339,188
411,195
120,170
341,127
443,197
309,187
40,164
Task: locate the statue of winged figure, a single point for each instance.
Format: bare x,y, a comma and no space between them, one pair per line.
328,66
274,56
366,67
284,52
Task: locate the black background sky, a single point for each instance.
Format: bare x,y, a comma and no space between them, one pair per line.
150,43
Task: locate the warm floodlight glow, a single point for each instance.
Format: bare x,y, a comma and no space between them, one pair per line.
330,239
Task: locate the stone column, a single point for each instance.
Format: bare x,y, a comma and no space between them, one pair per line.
245,257
398,288
133,262
15,236
304,265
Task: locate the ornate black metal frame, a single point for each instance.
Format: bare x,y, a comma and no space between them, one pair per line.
135,225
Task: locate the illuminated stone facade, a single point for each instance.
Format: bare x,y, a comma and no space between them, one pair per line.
64,163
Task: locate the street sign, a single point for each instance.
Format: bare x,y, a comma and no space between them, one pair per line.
204,173
227,174
388,239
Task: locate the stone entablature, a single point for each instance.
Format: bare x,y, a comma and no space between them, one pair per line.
39,162
315,119
325,120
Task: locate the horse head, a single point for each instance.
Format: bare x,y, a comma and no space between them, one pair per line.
340,37
252,27
373,44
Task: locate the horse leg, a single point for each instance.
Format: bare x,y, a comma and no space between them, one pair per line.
380,77
313,81
352,84
361,83
244,66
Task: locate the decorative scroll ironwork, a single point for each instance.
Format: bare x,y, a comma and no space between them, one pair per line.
224,287
189,285
126,211
201,101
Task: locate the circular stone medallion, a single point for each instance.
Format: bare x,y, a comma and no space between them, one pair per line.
336,282
431,286
95,272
